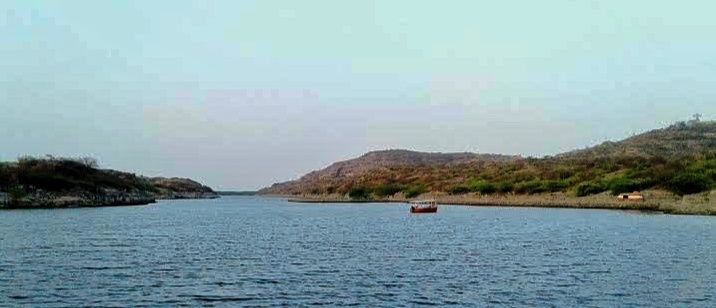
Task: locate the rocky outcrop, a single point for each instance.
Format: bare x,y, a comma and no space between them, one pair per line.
65,182
181,188
45,199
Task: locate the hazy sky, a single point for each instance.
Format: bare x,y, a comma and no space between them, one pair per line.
241,94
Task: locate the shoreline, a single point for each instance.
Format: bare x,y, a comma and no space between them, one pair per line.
657,201
505,205
45,207
68,202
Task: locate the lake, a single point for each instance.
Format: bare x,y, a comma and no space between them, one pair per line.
265,251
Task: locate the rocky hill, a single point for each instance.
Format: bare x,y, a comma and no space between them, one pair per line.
680,158
181,188
62,182
341,174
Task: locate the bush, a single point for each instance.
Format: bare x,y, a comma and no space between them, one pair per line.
555,186
522,175
482,187
504,187
590,188
414,191
459,189
625,185
359,193
387,190
15,195
690,183
530,187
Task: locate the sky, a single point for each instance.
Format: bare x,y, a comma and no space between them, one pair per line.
242,94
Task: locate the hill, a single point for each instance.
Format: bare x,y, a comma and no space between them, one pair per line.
680,158
63,182
340,176
678,140
181,188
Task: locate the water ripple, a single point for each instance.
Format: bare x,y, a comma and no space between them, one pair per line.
265,252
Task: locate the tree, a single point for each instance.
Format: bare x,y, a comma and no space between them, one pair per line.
88,162
690,183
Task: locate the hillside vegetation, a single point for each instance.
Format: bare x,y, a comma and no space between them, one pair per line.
32,181
680,158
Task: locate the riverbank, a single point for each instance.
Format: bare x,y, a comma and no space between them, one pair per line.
41,199
655,200
44,200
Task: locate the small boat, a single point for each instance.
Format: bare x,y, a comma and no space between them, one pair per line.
423,206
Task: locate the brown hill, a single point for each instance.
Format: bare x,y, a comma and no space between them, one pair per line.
681,158
339,175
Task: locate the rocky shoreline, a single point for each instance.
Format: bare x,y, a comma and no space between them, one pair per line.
188,195
41,199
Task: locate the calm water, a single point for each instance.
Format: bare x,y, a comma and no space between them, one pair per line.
254,251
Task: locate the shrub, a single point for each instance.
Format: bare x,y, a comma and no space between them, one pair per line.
555,186
711,174
414,191
387,190
459,189
504,187
15,195
625,185
590,188
485,188
690,183
522,175
359,193
482,187
559,173
530,187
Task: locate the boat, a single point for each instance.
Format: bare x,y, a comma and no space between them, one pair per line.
423,206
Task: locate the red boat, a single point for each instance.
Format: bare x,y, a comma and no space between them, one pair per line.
423,206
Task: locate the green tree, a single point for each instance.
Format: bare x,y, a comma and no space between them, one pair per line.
690,183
